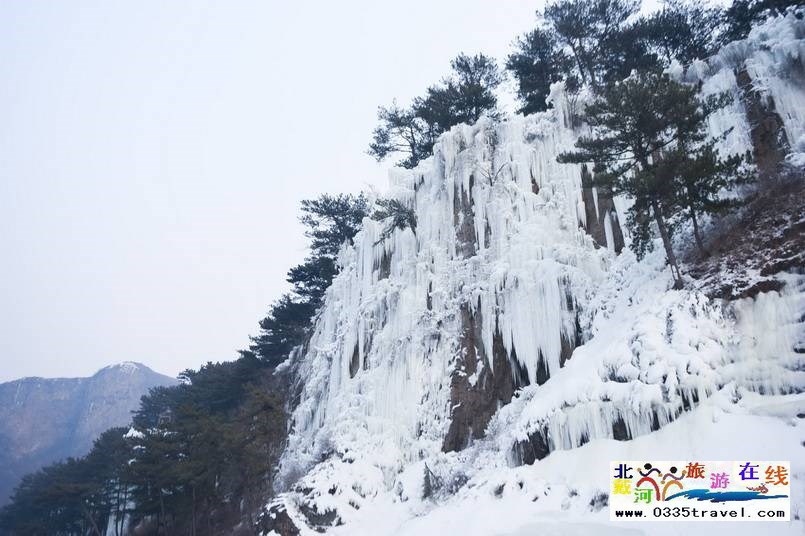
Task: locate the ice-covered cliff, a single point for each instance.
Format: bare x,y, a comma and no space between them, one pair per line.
511,323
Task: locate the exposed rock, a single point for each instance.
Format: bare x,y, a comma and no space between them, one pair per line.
538,444
747,250
476,391
769,139
464,222
320,522
530,450
619,430
599,208
384,266
354,362
276,519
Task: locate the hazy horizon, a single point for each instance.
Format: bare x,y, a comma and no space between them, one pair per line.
154,157
89,375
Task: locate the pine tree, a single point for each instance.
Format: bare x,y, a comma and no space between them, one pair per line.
624,51
470,91
704,177
312,278
199,463
62,498
283,329
396,215
217,387
151,473
462,97
108,460
702,174
682,30
634,123
255,437
742,14
403,131
587,28
536,63
332,220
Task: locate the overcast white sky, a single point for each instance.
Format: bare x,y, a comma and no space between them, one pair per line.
153,155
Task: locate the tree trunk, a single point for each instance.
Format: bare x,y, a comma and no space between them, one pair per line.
697,234
162,518
666,242
193,513
91,520
209,516
117,507
123,509
577,57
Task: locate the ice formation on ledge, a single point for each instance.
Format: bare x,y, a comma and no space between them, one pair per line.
499,232
773,60
500,311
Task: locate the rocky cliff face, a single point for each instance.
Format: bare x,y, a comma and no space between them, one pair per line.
45,420
453,363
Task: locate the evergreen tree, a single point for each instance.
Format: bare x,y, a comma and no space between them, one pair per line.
624,51
217,387
201,459
704,176
462,97
283,329
537,62
682,30
701,173
194,469
635,123
62,498
312,278
151,472
332,220
255,437
470,92
200,462
396,214
742,14
108,461
403,131
587,28
153,405
76,496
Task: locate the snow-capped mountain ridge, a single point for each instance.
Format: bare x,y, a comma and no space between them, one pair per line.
43,420
129,367
505,326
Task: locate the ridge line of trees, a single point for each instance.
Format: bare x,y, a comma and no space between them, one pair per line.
648,134
200,457
649,141
463,97
588,43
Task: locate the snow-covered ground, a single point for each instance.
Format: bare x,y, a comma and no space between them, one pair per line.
554,495
499,235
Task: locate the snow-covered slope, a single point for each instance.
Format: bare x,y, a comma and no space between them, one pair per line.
508,347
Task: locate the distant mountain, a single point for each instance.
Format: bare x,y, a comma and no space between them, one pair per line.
43,420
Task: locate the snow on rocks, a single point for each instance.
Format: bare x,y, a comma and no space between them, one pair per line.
773,60
379,364
596,346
